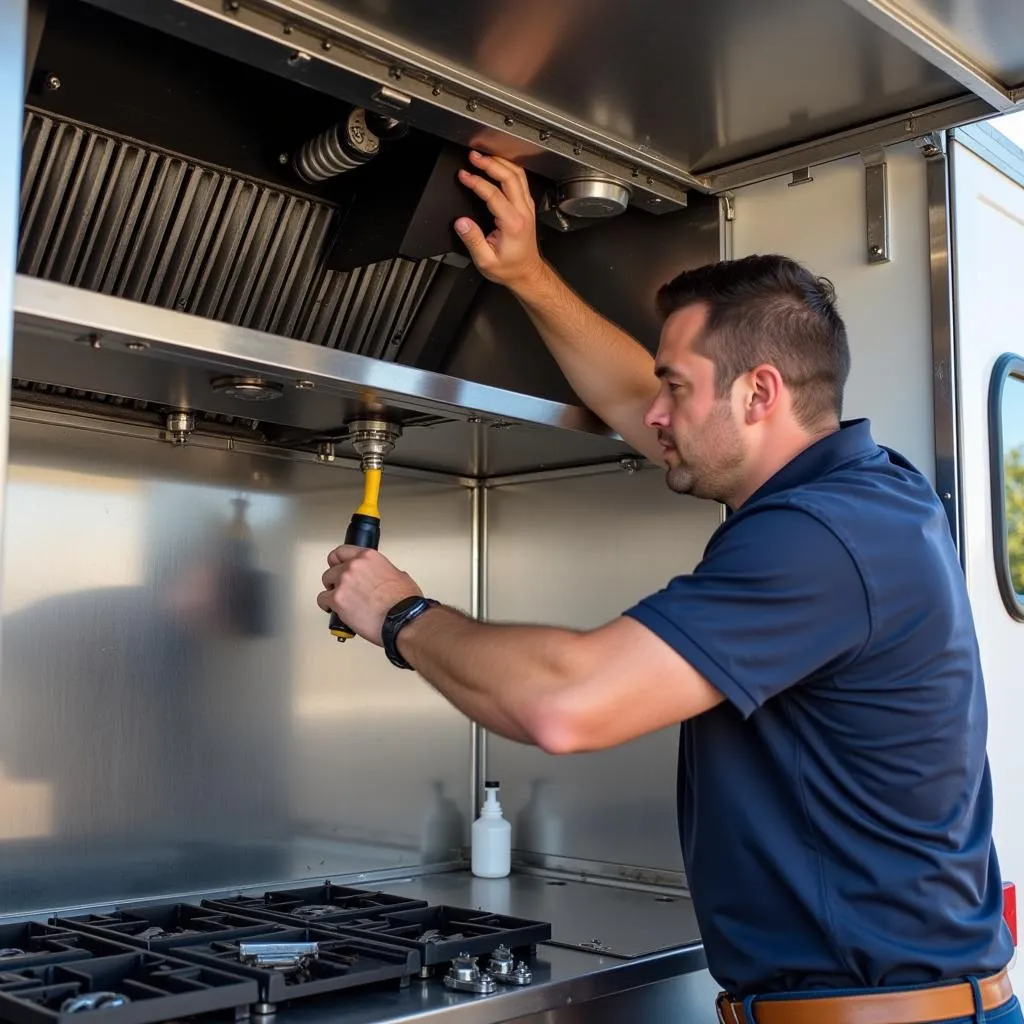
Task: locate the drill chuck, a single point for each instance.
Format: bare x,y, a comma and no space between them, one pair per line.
373,441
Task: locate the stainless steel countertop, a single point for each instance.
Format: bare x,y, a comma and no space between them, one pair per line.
561,976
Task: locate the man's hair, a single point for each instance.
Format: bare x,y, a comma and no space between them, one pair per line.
769,309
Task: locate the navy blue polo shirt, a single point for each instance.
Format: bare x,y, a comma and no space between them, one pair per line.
835,810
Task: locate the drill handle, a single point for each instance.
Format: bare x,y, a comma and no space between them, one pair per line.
363,532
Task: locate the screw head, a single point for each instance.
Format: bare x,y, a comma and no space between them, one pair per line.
53,83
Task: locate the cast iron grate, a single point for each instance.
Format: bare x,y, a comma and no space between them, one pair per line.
443,933
315,905
134,987
341,962
163,926
31,944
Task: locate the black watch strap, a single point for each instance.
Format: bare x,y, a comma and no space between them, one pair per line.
398,618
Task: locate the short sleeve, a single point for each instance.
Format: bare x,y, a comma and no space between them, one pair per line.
777,599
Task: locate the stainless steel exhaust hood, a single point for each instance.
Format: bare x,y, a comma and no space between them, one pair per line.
87,348
224,202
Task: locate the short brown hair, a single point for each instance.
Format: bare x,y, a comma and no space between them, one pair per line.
769,309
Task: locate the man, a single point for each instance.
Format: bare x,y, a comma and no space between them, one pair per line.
834,792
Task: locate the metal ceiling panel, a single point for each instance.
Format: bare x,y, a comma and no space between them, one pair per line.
665,97
698,85
963,44
989,32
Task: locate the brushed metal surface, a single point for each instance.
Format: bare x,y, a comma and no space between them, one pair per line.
182,354
956,46
616,922
698,85
578,553
157,734
989,33
945,360
13,27
568,988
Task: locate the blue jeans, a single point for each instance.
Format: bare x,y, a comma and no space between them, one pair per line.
1008,1013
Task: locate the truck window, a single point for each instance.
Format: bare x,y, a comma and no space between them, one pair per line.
1006,438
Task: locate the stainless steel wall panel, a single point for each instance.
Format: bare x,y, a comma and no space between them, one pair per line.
174,715
577,553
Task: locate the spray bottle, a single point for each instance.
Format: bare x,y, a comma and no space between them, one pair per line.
491,841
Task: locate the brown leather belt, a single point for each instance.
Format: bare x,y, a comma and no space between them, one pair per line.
920,1006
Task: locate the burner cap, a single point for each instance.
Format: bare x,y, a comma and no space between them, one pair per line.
314,910
94,1001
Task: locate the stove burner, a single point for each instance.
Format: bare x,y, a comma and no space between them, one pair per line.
314,911
94,1001
436,935
11,954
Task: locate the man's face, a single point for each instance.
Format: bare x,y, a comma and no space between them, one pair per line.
699,433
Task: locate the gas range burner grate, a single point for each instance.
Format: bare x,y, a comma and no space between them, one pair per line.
127,986
294,963
32,945
322,904
163,926
440,934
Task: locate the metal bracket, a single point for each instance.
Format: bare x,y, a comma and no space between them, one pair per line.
932,145
876,199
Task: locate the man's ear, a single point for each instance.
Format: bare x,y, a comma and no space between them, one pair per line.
766,387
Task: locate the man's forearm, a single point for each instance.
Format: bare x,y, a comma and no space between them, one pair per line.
612,373
471,663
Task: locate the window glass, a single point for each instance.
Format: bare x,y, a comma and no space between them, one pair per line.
1006,430
1012,415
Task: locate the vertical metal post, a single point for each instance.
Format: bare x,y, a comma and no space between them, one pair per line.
478,609
945,388
13,25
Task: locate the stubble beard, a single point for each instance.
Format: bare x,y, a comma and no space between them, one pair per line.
714,475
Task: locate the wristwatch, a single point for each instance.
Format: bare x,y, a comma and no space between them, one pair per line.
401,615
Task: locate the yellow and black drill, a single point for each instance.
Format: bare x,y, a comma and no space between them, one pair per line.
373,441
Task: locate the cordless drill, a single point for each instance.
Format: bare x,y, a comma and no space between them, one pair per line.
372,440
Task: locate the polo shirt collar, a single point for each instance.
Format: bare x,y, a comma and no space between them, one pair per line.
850,443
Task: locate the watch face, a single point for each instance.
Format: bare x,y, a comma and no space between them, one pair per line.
403,606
